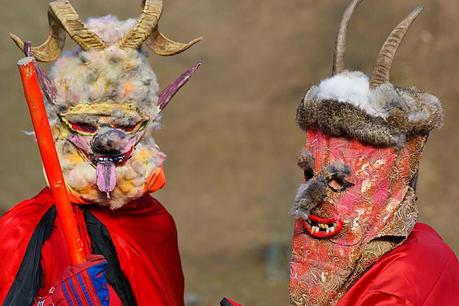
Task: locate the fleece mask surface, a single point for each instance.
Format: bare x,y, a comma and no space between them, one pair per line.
103,100
103,117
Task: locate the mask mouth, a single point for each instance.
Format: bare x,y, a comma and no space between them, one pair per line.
322,228
106,165
118,160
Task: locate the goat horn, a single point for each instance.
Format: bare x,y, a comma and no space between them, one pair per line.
52,47
340,47
62,18
72,24
381,72
146,31
148,21
164,46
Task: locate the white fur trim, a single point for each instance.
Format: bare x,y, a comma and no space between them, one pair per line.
353,88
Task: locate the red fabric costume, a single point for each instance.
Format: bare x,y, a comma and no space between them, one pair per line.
143,233
421,271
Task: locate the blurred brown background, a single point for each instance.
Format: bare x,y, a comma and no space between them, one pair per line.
230,135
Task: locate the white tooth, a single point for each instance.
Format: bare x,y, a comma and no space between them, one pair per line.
327,230
315,229
332,229
326,226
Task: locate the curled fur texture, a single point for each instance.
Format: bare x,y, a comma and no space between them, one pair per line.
104,81
346,106
114,74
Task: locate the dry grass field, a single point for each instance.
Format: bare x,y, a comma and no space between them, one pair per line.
230,135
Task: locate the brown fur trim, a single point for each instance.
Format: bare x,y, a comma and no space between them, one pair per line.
411,113
345,120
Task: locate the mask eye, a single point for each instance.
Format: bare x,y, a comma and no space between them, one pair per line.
131,127
83,127
127,128
338,184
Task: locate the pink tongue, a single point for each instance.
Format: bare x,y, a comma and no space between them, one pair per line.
106,176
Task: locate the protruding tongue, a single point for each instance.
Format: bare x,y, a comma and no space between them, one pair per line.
106,176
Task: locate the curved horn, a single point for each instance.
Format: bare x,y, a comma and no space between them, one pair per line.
148,21
164,46
72,24
63,18
340,47
52,47
381,72
146,31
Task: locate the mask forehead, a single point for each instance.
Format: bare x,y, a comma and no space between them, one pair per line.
104,109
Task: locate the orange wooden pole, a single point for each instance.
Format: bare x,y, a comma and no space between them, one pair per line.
34,97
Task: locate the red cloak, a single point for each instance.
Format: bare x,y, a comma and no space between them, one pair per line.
421,271
143,233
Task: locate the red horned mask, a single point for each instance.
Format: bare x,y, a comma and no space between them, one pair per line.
364,140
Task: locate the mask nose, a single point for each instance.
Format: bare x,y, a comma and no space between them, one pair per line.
108,141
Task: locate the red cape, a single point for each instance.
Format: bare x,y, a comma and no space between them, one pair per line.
422,271
143,233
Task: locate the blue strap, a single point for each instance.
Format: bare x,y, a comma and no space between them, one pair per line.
66,293
83,286
72,287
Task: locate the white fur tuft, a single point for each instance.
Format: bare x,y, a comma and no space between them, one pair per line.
350,87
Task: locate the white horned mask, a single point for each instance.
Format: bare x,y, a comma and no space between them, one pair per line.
103,101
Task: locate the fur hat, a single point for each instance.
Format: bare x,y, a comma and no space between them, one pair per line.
369,109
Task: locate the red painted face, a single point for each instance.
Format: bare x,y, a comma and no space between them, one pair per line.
356,191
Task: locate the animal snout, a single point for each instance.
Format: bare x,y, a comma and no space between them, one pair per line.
108,141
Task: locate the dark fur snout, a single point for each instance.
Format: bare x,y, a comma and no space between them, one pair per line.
309,196
108,141
314,191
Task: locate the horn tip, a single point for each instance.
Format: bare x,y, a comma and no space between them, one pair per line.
196,40
17,40
418,10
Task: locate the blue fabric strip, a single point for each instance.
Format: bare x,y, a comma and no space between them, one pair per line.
86,294
97,275
66,293
72,287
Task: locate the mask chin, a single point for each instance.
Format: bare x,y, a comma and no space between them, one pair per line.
134,174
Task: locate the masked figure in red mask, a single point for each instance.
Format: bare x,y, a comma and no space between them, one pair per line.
103,104
356,237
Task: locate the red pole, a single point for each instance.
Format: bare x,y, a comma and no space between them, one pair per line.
49,157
